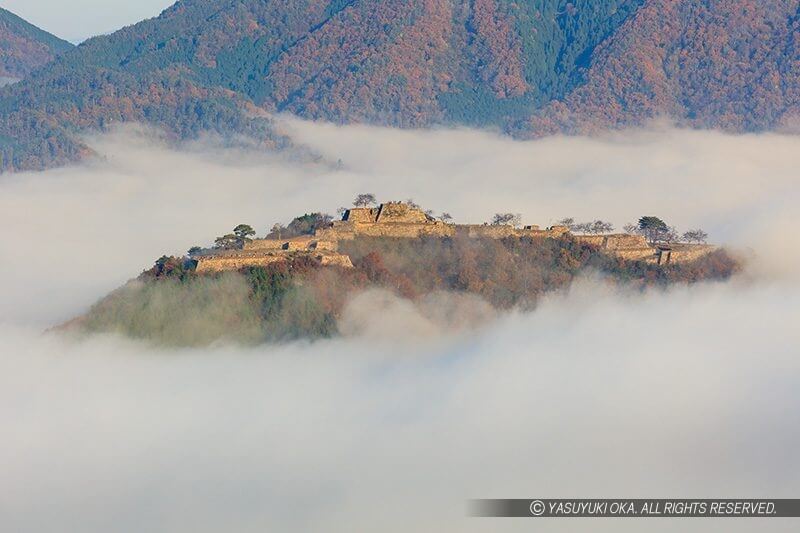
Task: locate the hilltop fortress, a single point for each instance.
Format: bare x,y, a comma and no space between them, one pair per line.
401,220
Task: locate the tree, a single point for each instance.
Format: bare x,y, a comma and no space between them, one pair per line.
513,219
194,250
364,200
581,227
277,231
671,235
244,233
697,236
650,222
227,242
631,229
568,222
169,266
598,227
654,229
411,203
445,217
308,224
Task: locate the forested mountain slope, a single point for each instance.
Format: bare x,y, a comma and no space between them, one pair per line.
24,47
529,67
730,64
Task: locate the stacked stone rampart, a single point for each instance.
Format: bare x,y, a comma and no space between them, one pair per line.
682,253
234,261
636,248
400,220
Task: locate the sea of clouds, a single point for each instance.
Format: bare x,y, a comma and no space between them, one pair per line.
690,392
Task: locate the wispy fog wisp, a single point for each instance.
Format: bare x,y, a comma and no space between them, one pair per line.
690,392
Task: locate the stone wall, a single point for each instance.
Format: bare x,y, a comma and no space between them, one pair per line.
361,214
621,241
501,231
303,242
399,220
219,263
636,248
491,231
397,212
404,230
264,244
337,231
234,261
617,241
684,253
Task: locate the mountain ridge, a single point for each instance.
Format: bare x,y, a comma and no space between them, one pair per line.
24,47
528,68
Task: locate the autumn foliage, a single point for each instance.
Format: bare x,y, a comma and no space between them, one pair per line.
301,299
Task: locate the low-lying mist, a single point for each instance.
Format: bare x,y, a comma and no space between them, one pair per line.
599,392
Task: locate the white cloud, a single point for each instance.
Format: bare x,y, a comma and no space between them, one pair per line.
687,393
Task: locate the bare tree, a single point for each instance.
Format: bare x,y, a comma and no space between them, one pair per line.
411,203
568,222
364,200
581,227
631,229
445,217
697,236
593,228
671,235
277,230
598,227
513,219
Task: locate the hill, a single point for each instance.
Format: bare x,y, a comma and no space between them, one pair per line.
24,47
530,68
307,279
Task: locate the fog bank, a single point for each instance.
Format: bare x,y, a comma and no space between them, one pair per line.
599,392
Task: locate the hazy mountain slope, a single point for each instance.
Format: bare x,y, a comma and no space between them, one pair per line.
531,67
24,47
732,64
218,64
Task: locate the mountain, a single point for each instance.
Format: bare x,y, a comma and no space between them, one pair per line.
729,64
528,67
305,279
24,47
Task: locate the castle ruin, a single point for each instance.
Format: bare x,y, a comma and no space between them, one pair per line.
401,220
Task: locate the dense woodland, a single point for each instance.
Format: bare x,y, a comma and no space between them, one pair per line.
528,68
24,47
172,305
